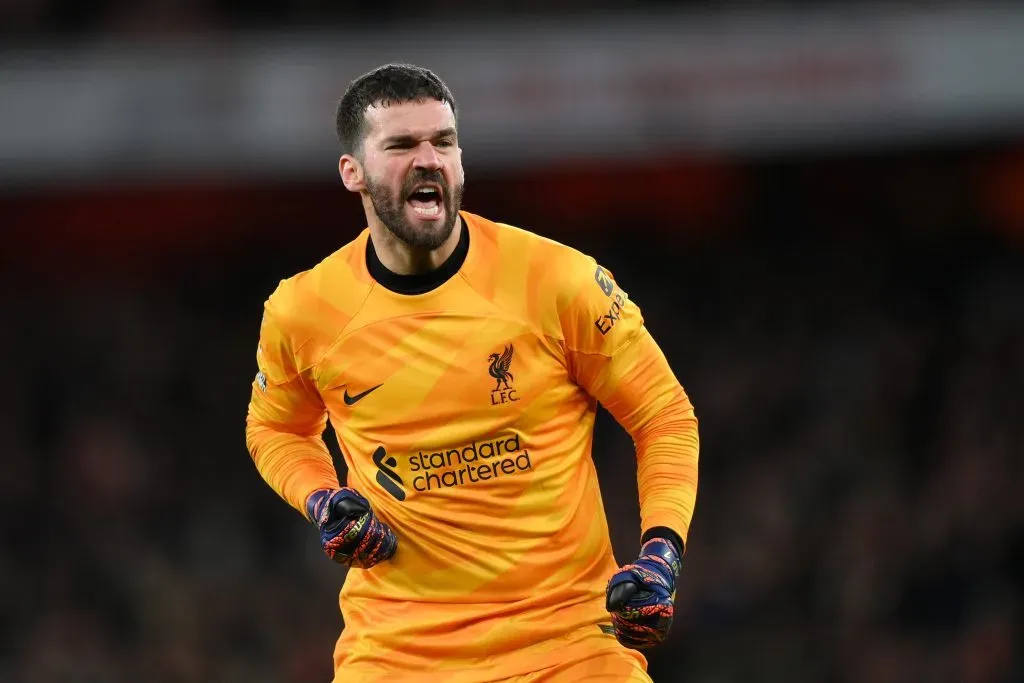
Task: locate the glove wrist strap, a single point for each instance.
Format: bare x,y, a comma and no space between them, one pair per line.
665,550
316,506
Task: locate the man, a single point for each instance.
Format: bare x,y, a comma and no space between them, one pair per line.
460,362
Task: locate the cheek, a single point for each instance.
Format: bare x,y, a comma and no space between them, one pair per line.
381,166
388,176
458,173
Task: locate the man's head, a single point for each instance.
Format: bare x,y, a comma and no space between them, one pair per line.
397,125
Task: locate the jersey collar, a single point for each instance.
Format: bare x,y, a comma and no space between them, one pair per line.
420,283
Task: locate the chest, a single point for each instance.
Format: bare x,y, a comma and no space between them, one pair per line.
429,381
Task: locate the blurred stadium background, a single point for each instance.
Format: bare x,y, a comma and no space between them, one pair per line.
820,209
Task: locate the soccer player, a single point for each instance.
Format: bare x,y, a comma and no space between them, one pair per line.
460,362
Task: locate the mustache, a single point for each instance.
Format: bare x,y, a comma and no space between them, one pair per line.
424,176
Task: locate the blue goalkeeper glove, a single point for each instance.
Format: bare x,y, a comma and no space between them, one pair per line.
349,531
640,595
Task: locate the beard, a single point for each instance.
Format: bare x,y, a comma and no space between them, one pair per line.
390,208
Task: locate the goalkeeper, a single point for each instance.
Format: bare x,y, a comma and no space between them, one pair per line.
460,363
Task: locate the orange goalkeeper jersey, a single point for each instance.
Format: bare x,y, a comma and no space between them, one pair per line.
464,404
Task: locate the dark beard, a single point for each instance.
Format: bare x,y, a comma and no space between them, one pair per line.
390,209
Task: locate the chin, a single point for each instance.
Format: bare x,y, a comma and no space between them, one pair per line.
431,236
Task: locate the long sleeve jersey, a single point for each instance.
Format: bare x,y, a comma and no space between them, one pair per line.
464,404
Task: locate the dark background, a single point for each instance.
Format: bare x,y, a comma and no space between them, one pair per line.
848,323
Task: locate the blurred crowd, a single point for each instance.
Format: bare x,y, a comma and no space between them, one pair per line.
32,19
27,18
852,339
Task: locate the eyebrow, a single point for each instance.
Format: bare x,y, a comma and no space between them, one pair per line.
406,137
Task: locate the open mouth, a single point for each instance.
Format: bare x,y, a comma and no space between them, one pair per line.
425,200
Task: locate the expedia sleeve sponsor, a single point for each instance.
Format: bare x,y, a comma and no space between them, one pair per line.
599,315
598,320
604,281
606,320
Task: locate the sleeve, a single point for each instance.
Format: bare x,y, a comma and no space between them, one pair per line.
286,418
613,357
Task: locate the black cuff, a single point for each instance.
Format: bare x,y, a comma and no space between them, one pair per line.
665,532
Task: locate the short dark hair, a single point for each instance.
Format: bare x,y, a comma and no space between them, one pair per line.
388,84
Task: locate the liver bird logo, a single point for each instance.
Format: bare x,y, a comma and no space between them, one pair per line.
499,367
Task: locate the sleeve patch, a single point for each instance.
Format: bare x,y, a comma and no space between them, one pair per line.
607,319
604,281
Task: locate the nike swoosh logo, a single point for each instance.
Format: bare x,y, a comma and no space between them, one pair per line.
352,400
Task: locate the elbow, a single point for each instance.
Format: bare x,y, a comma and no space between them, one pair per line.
676,417
256,435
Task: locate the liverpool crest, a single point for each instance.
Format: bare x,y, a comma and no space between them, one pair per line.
500,369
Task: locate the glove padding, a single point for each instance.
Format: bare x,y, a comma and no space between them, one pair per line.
640,595
350,533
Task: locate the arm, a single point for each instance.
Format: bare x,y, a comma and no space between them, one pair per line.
283,433
286,418
638,388
614,358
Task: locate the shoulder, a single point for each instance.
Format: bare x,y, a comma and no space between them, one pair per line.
512,241
313,306
549,277
544,261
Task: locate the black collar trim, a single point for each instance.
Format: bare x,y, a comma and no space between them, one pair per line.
420,283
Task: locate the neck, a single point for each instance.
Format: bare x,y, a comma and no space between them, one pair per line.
402,259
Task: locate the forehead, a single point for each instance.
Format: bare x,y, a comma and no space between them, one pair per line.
408,118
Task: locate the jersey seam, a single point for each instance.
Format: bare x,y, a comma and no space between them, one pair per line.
630,338
523,320
315,367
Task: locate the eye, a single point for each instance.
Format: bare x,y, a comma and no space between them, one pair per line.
446,142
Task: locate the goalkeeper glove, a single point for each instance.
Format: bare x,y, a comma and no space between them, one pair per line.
640,595
349,531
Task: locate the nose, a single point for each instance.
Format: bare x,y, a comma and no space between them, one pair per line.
427,157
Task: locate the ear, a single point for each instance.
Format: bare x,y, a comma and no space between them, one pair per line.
351,172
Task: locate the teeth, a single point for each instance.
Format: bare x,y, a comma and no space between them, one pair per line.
432,211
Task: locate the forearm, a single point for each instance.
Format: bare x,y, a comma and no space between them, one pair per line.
667,448
640,390
293,465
